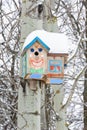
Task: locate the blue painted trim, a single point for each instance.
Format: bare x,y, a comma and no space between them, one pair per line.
39,40
36,76
56,81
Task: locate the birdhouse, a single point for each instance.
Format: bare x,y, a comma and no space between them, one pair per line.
34,58
43,57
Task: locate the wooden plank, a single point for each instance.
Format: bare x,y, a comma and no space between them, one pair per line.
50,75
39,77
36,76
57,54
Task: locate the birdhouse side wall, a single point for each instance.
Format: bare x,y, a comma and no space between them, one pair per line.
55,67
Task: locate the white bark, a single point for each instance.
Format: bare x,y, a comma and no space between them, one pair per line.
29,104
29,108
50,24
58,99
28,24
43,113
49,20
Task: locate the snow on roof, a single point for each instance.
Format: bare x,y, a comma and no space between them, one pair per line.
57,42
37,39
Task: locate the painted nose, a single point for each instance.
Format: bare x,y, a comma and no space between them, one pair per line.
36,53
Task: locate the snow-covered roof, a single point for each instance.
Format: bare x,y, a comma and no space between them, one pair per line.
57,42
37,39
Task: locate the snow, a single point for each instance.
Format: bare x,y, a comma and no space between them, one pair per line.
57,42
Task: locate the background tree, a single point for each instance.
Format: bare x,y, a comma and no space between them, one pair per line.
9,62
85,82
74,20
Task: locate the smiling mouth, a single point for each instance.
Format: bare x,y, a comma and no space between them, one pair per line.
37,63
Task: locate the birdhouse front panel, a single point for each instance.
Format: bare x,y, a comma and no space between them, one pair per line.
37,59
55,66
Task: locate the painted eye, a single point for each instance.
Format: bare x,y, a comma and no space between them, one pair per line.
32,50
40,49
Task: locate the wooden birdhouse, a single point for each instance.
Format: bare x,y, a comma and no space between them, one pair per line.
43,57
34,58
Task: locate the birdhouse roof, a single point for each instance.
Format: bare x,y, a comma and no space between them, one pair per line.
53,42
35,40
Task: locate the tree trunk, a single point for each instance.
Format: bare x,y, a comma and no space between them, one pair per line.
29,101
49,20
29,23
58,102
29,105
50,24
29,111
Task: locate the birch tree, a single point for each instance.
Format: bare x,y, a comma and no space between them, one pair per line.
49,23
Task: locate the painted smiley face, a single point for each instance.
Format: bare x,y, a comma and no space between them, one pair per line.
36,59
37,63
